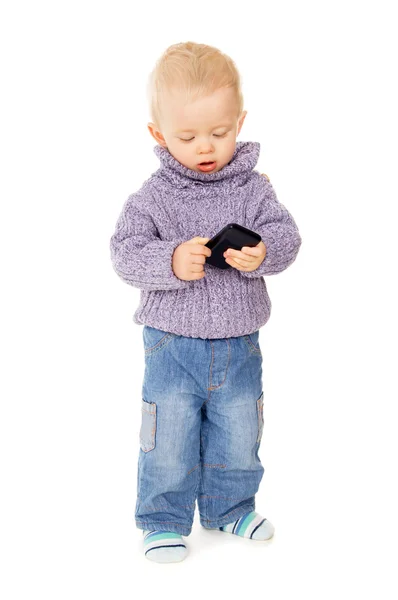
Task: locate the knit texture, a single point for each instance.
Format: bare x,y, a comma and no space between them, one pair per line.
176,204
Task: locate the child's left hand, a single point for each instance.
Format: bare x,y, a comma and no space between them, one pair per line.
246,259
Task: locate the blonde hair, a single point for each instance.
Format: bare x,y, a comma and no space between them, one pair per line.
196,70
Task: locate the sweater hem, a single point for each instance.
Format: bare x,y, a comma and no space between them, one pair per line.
140,319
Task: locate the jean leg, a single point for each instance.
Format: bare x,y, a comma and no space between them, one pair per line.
232,425
169,456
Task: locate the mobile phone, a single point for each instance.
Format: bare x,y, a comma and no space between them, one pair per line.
231,236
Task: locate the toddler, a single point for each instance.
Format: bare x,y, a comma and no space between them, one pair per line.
202,398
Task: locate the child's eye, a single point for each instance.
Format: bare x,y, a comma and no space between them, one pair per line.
215,135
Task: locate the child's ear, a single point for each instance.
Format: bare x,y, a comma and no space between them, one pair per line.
156,134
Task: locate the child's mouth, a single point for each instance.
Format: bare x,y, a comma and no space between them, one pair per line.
207,166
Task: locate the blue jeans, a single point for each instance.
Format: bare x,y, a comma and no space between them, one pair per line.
201,428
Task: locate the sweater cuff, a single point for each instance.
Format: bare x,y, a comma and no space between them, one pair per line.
159,274
280,254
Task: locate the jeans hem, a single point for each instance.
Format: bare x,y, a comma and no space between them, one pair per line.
232,516
170,527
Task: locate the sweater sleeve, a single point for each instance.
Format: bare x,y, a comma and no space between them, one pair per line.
278,231
138,255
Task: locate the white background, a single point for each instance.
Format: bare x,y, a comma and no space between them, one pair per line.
319,81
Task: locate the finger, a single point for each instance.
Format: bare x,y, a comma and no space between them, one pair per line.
236,254
252,251
234,263
198,240
198,275
239,261
199,249
198,259
196,268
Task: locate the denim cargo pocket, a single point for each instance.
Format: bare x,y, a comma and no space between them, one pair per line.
155,339
253,342
260,416
148,426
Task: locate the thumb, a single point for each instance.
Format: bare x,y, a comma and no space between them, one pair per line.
199,240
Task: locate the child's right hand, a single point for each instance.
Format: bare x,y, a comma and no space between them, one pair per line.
189,258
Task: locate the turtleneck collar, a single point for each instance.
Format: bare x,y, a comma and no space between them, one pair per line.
243,160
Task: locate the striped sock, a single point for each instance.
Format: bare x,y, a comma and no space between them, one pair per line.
164,546
251,525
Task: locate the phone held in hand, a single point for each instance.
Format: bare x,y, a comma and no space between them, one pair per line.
231,236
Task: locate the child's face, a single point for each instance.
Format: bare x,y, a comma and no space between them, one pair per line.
205,130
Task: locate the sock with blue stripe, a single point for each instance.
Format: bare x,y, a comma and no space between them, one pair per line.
251,525
164,546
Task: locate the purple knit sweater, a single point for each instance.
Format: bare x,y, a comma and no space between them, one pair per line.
176,204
